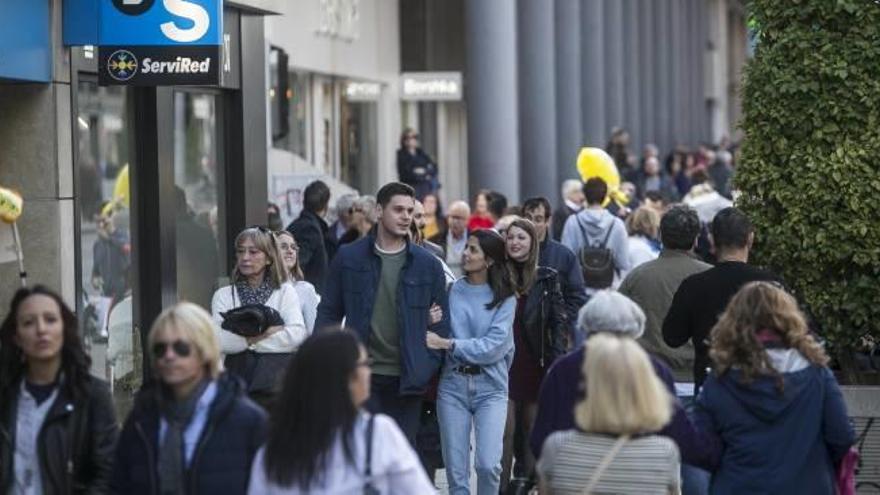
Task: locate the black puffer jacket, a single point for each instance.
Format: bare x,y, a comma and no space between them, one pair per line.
545,318
75,443
221,463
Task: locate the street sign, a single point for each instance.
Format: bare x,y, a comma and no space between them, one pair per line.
160,42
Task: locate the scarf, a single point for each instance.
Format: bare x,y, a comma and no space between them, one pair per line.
172,459
254,295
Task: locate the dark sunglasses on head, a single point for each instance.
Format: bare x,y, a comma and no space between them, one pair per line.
181,348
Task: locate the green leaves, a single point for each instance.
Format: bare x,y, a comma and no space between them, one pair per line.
810,166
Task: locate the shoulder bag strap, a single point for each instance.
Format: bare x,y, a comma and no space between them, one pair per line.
608,234
368,465
606,461
583,231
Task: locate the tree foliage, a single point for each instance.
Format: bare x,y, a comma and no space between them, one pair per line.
810,167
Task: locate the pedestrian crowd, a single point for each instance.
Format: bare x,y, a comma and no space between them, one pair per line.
597,347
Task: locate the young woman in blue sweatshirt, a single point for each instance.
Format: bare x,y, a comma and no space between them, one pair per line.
473,384
772,400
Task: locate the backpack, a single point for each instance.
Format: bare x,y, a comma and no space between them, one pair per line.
597,262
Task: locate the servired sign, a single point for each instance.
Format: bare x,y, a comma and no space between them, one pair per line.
160,42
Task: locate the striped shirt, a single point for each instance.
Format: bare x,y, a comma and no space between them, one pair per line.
644,465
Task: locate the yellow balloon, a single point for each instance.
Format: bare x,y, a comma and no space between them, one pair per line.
121,193
11,205
594,162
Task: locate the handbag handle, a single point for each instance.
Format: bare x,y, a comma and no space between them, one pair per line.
606,461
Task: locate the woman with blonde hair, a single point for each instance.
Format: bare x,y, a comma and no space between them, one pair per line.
193,430
308,297
771,399
643,227
613,449
259,355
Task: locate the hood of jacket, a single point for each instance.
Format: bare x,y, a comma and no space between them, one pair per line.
595,223
761,397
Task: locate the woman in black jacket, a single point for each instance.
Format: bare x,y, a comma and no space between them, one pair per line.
194,430
414,166
539,331
57,424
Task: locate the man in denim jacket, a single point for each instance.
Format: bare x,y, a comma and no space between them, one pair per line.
384,286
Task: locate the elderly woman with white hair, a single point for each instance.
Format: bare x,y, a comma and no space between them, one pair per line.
564,385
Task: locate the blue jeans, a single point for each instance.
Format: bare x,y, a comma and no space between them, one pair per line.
462,401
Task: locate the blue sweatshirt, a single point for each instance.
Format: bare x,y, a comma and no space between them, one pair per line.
483,337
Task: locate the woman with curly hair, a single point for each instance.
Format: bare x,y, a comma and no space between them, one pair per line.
771,399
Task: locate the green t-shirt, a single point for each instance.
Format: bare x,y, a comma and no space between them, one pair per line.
384,345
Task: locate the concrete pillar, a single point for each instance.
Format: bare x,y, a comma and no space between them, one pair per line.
537,99
569,128
701,114
632,73
647,61
614,34
662,99
592,70
493,153
677,91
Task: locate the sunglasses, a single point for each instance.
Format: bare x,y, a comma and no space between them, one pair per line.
181,348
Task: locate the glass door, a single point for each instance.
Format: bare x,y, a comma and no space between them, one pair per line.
199,165
104,305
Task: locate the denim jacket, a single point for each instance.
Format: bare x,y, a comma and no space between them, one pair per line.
350,292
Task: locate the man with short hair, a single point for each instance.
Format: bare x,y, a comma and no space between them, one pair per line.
384,286
310,232
652,178
342,223
595,224
572,202
652,286
453,240
558,257
702,297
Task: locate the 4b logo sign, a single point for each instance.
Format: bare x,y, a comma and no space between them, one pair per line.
193,12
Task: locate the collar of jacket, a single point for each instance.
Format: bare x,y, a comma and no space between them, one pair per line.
146,411
677,253
316,219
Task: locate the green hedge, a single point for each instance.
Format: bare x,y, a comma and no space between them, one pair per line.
810,165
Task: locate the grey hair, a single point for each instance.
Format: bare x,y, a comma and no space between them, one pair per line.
571,186
610,311
345,202
368,205
724,157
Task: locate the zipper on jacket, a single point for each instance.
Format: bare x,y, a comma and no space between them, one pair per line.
197,455
150,468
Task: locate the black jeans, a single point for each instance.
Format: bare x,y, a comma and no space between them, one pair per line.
406,410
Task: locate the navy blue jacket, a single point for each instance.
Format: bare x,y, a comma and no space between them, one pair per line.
571,279
564,387
235,430
776,443
350,292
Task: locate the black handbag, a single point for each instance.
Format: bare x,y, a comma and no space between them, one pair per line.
251,320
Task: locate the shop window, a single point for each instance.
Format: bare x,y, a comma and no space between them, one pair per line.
358,145
105,295
289,95
198,178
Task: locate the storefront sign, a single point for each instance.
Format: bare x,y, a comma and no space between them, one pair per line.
431,86
150,42
362,91
25,43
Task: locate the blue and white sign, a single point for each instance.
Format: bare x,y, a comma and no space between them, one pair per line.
25,41
160,22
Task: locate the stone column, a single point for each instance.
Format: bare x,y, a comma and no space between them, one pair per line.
491,92
537,99
569,128
592,70
662,100
632,78
648,64
614,34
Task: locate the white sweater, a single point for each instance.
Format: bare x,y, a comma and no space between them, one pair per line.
284,300
395,466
